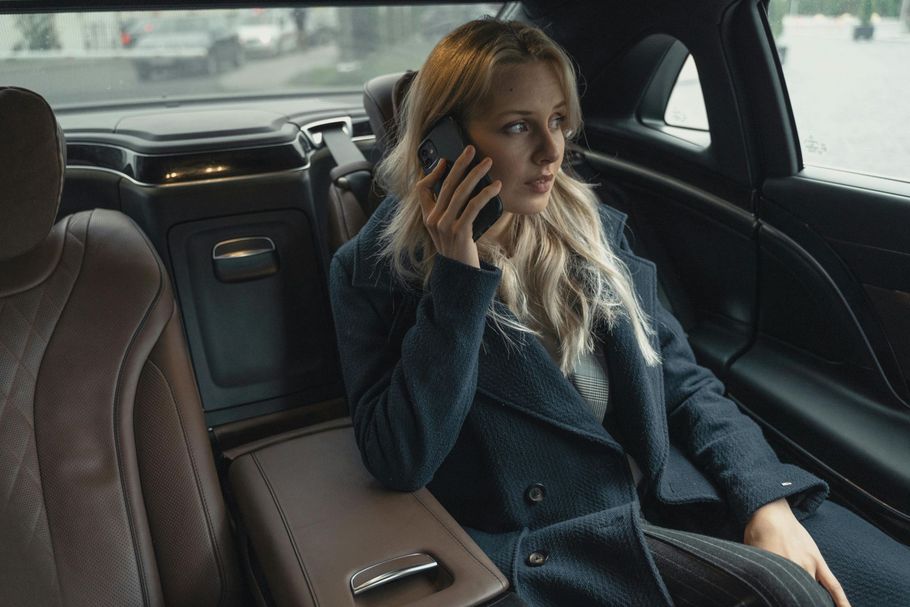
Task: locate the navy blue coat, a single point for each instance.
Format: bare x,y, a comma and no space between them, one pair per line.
439,396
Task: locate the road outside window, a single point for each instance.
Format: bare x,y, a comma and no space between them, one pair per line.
98,58
846,67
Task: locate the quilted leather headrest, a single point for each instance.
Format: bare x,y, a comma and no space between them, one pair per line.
382,99
32,162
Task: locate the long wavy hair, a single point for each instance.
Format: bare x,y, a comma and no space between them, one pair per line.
559,274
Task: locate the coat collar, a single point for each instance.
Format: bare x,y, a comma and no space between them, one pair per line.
533,384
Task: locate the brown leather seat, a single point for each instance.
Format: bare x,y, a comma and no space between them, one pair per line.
108,491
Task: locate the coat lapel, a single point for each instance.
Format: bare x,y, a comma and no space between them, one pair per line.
637,390
516,370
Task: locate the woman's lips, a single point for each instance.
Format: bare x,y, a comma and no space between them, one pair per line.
541,184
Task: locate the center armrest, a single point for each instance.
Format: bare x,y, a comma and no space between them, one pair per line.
317,520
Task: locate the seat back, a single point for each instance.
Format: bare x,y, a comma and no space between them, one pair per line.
353,194
108,491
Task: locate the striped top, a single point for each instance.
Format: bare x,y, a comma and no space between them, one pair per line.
591,378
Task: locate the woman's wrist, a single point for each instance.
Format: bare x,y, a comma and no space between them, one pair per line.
769,516
775,508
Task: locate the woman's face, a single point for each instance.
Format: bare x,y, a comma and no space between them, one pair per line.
521,129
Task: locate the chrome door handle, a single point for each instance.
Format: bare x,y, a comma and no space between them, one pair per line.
241,259
243,247
382,573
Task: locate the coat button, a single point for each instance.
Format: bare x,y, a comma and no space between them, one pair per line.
537,558
535,493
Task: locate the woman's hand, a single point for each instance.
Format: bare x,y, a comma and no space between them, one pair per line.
774,528
449,217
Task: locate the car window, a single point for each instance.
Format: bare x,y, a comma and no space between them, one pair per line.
104,57
848,80
845,67
686,107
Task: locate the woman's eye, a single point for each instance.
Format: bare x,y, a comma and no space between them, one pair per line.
517,127
556,122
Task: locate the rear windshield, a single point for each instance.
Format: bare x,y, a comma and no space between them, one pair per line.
98,58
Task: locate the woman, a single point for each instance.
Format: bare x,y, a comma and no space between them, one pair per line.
533,382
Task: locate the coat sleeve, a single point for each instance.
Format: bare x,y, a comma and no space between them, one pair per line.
725,444
409,396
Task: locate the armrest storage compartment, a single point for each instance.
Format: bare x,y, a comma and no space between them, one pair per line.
326,533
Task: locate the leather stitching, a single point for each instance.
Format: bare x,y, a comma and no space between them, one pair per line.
460,543
215,545
287,529
196,477
77,271
143,582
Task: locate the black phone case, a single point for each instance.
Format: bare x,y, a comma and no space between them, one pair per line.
448,141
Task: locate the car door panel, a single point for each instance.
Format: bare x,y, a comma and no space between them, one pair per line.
827,373
799,303
257,334
682,228
824,375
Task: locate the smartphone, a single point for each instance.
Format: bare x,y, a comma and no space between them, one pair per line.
446,139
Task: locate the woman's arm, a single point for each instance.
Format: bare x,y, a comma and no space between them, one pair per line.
725,444
408,400
732,450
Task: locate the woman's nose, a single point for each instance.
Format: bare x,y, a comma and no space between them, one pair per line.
548,147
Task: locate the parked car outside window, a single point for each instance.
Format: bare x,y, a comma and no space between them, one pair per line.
267,32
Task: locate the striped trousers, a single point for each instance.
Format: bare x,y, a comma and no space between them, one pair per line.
702,571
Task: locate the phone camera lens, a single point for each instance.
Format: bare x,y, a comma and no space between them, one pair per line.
427,154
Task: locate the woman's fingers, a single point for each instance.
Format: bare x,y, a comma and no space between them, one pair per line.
451,236
460,198
428,205
477,203
453,179
427,200
425,189
826,578
462,194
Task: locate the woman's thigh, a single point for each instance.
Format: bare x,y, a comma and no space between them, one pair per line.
873,568
702,571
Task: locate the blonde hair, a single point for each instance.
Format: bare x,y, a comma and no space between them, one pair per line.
560,276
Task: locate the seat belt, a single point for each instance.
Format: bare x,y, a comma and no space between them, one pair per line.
353,172
343,150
